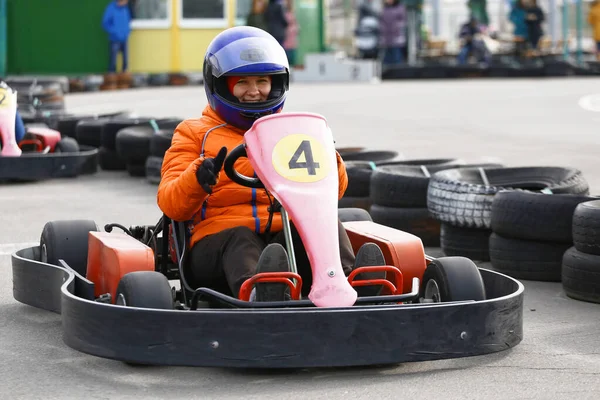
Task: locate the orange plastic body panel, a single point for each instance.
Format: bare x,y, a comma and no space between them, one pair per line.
400,249
112,255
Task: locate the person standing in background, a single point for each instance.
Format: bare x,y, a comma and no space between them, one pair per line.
276,22
116,22
291,38
392,27
256,18
534,20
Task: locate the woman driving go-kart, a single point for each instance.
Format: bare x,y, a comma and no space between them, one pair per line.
237,231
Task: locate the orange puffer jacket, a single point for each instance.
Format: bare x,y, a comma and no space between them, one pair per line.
181,198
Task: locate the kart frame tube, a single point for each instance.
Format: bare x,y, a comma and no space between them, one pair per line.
272,338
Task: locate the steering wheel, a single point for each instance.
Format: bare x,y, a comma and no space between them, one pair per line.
232,157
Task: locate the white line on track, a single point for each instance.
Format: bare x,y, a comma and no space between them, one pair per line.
9,248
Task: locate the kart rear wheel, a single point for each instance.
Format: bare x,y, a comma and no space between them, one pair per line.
449,279
67,145
145,289
67,240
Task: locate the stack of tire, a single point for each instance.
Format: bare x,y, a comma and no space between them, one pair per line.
136,143
463,199
159,144
360,164
532,231
399,196
38,95
581,262
124,142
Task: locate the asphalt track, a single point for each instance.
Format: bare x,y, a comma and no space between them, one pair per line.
520,122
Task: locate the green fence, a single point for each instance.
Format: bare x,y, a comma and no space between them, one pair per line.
56,37
3,39
309,14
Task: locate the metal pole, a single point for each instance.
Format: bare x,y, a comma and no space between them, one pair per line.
565,30
287,233
579,27
436,18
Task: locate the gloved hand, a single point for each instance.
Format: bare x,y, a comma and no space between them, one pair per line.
208,172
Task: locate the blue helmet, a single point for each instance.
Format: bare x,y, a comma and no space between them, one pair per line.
244,51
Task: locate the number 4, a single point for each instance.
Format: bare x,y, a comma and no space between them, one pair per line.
310,164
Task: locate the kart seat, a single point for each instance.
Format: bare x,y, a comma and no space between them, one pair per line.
179,250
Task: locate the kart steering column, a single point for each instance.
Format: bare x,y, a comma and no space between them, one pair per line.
234,175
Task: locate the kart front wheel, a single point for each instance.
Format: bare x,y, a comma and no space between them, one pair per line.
451,279
145,289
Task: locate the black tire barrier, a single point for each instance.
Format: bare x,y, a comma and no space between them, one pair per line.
89,131
581,275
472,243
586,227
153,168
109,160
112,127
133,143
536,216
40,94
416,221
540,68
359,178
527,259
462,197
136,169
371,155
160,142
355,202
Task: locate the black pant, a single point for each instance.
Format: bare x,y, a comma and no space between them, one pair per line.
224,260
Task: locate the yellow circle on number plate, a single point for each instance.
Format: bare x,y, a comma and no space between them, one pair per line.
300,158
7,98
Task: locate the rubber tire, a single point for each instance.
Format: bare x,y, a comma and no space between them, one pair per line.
67,145
458,279
133,143
145,289
353,214
355,202
535,216
581,275
427,162
359,178
136,169
370,156
112,128
160,143
109,160
67,240
473,243
416,221
400,185
586,227
153,169
460,197
89,132
527,259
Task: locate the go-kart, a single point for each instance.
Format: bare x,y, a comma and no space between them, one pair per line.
42,153
113,288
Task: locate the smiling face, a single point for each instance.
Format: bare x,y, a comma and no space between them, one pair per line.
251,89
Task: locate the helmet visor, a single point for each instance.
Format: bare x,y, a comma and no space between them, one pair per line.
264,53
